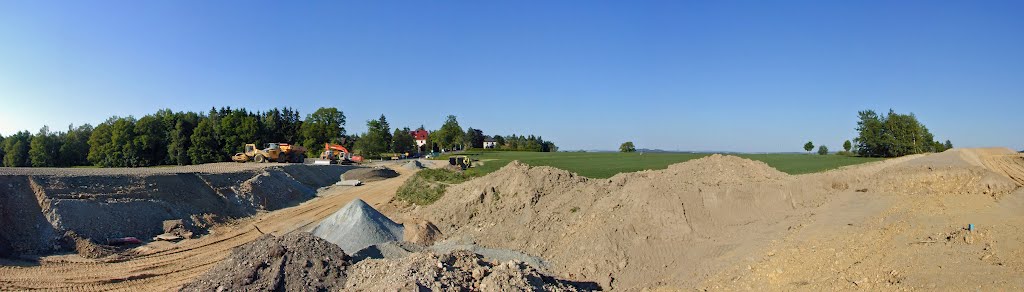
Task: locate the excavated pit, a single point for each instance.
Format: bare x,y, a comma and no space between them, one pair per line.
39,207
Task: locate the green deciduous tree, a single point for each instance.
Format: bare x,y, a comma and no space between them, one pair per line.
1,149
325,125
808,146
474,138
627,147
181,138
948,145
402,141
451,135
822,150
892,135
43,150
377,139
204,143
847,145
16,149
151,140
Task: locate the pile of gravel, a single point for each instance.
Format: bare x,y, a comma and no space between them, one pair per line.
413,165
297,261
357,226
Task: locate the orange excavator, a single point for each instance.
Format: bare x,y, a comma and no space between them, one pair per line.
339,154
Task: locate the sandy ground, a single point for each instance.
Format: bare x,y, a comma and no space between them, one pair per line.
719,223
165,266
909,238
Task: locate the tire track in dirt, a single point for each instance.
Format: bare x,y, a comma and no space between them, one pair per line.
1011,166
169,266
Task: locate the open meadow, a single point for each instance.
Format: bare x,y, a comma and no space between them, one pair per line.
607,164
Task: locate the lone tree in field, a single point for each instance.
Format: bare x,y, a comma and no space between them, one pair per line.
822,150
847,145
627,147
809,146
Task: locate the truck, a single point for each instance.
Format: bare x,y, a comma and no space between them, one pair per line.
279,152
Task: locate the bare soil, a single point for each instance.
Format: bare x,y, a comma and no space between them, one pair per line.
167,266
715,223
297,261
724,222
39,208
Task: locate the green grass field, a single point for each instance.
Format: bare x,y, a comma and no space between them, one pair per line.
605,165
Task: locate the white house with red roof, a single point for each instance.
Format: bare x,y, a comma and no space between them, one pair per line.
421,138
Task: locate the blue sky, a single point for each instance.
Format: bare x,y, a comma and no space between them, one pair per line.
676,75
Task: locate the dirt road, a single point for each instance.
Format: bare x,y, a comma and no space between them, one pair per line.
165,266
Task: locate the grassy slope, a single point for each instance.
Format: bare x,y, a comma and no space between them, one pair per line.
604,165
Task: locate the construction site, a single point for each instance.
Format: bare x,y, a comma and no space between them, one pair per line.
948,221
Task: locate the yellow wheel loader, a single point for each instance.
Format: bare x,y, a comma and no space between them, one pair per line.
279,152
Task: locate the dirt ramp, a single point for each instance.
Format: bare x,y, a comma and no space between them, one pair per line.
297,261
627,231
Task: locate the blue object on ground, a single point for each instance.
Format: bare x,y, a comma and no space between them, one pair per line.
970,227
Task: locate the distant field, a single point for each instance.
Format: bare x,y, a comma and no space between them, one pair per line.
605,165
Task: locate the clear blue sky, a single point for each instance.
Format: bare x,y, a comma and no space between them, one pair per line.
676,75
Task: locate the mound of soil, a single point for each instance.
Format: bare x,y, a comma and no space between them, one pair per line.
413,165
369,174
455,271
297,261
356,226
421,232
627,230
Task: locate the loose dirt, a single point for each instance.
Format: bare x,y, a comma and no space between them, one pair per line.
700,223
39,208
369,174
715,223
297,261
455,271
167,266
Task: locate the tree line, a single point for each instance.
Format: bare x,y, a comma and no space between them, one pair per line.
889,135
379,139
184,138
172,138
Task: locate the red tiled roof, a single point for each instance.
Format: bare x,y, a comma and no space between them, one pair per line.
420,134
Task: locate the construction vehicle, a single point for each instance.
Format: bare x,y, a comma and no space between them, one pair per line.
461,161
339,154
279,152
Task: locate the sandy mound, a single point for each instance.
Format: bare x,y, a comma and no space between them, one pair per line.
356,226
369,174
293,262
627,230
421,232
455,271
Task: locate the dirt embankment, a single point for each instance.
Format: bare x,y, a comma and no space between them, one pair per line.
677,227
40,206
628,230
